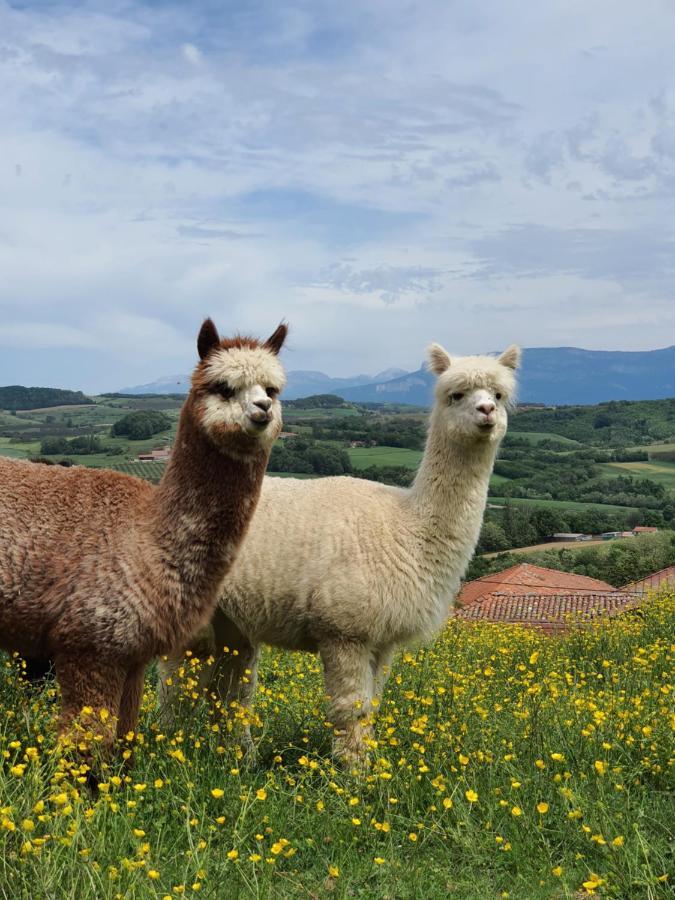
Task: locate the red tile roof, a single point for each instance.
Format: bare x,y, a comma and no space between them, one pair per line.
653,581
550,612
526,578
645,529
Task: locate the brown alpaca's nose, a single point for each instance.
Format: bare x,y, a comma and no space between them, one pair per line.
486,408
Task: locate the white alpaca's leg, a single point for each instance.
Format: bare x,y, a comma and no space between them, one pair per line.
175,676
382,669
234,674
348,673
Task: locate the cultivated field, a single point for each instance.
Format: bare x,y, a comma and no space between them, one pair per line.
505,762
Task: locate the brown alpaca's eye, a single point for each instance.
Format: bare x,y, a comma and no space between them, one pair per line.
457,396
224,390
272,392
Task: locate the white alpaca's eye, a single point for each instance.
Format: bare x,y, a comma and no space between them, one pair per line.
457,396
498,396
272,392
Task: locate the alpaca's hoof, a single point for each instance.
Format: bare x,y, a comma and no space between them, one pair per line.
354,759
250,751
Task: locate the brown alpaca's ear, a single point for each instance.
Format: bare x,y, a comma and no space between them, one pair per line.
275,341
439,359
208,338
510,357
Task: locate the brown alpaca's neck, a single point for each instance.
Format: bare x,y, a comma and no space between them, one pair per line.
200,514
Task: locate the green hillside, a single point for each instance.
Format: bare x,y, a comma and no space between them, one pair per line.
16,396
618,423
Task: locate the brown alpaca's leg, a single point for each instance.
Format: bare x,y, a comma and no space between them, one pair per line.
132,693
348,675
90,697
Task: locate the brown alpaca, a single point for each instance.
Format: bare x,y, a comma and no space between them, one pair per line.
101,572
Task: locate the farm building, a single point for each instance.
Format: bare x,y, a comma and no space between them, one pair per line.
160,455
551,613
653,581
570,536
526,578
645,529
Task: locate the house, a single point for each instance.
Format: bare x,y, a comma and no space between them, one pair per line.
160,455
610,535
551,613
525,578
285,435
653,581
644,529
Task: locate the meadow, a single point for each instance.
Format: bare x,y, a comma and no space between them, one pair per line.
506,764
660,471
362,457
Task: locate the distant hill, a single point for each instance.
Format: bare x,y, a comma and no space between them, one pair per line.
551,375
555,376
16,396
300,383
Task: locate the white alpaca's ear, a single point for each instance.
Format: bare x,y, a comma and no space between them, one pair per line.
439,359
510,357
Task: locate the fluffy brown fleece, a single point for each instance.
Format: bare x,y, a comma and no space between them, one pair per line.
101,572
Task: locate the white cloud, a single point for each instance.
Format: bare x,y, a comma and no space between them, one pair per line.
382,175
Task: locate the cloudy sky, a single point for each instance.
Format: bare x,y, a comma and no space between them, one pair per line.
381,174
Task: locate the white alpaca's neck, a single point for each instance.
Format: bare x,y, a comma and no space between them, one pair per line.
450,492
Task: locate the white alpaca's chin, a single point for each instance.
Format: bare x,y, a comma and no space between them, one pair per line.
489,431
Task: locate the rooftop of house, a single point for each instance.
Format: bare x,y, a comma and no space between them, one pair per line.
525,578
653,581
550,612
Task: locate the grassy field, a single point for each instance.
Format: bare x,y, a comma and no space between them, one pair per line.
292,415
557,504
553,545
660,471
506,764
363,457
536,437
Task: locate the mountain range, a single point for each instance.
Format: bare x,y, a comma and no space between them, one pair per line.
551,375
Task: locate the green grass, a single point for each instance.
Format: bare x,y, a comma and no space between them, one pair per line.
660,471
363,457
558,504
292,415
473,734
536,437
498,479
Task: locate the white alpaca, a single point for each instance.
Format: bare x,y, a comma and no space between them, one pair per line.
353,568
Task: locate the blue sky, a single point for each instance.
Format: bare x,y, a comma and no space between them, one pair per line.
382,174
